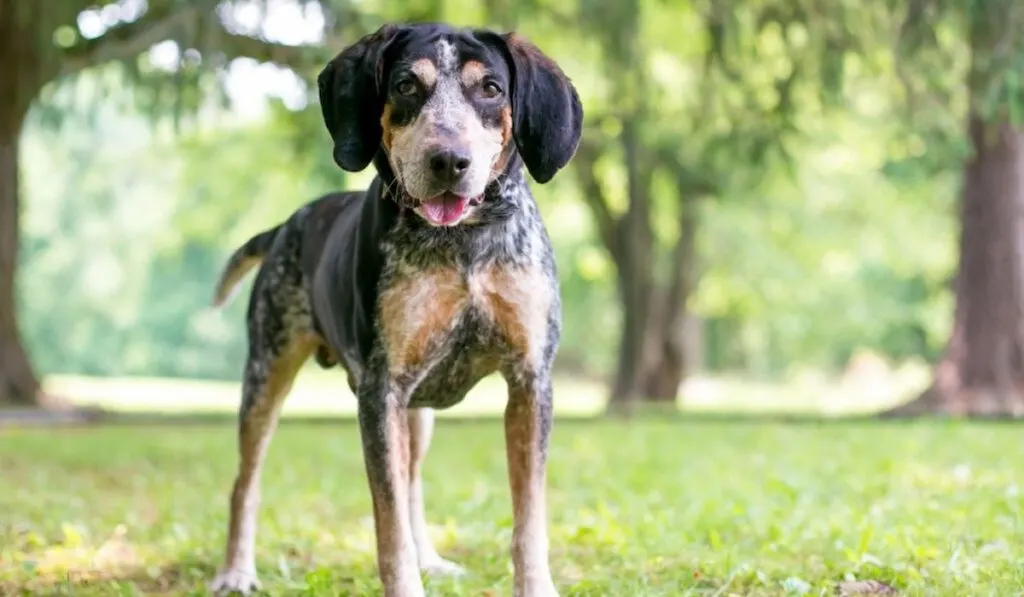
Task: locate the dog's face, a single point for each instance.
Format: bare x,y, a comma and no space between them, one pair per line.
447,125
450,109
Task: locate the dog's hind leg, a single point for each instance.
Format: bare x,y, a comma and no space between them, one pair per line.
268,379
421,429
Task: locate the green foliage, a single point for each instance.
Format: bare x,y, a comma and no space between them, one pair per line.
826,162
823,152
133,228
743,508
828,228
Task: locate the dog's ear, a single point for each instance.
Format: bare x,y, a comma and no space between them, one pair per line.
547,116
352,100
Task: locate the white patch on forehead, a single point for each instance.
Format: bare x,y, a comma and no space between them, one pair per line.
447,106
447,58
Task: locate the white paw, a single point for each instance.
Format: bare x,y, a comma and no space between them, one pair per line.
438,566
234,580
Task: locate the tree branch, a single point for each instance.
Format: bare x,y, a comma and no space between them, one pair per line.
123,41
168,20
234,45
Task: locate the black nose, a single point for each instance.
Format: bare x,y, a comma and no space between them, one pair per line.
449,164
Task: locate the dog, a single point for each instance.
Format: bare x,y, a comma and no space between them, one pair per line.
439,274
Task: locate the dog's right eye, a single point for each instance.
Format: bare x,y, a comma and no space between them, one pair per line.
405,87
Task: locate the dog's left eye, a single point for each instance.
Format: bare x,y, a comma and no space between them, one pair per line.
491,89
405,87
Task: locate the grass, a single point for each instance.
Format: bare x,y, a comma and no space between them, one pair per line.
652,507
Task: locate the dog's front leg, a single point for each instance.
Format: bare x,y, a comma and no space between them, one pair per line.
384,427
527,427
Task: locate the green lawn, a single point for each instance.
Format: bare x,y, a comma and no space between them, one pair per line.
644,508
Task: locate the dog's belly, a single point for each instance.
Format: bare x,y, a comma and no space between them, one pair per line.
460,367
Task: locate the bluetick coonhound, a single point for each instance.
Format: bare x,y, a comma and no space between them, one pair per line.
439,274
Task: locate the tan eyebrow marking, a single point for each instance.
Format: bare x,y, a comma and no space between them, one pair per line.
472,73
425,69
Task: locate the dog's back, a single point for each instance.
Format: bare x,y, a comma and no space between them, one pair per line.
287,255
313,221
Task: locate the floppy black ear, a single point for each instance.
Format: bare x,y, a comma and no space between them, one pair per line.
352,100
547,116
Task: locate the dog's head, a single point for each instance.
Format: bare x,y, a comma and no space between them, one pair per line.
452,110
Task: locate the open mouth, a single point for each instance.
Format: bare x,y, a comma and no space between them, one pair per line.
445,209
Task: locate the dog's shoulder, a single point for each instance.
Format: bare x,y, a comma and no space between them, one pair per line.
320,218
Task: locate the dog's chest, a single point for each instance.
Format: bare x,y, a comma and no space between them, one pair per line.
444,328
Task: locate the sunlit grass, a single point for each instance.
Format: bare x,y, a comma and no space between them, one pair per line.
643,508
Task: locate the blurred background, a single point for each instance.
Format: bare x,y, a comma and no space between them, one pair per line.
777,205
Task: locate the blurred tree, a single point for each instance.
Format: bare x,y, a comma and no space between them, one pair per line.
982,370
44,44
700,109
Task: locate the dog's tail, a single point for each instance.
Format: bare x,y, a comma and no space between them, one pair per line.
241,261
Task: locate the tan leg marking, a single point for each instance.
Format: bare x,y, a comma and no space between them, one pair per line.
396,549
255,432
527,480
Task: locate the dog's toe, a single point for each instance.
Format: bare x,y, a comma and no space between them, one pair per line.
230,581
439,566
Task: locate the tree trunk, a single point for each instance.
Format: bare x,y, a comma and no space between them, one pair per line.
670,330
635,274
982,370
18,383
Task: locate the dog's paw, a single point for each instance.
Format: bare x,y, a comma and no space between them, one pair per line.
438,566
243,582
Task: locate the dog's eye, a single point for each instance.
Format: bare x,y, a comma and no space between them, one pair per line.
491,89
405,87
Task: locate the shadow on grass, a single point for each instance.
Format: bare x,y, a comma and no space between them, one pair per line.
177,577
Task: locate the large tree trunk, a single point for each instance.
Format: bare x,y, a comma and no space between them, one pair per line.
982,371
670,330
634,266
23,77
656,342
18,383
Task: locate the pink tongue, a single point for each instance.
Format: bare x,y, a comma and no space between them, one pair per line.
445,209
